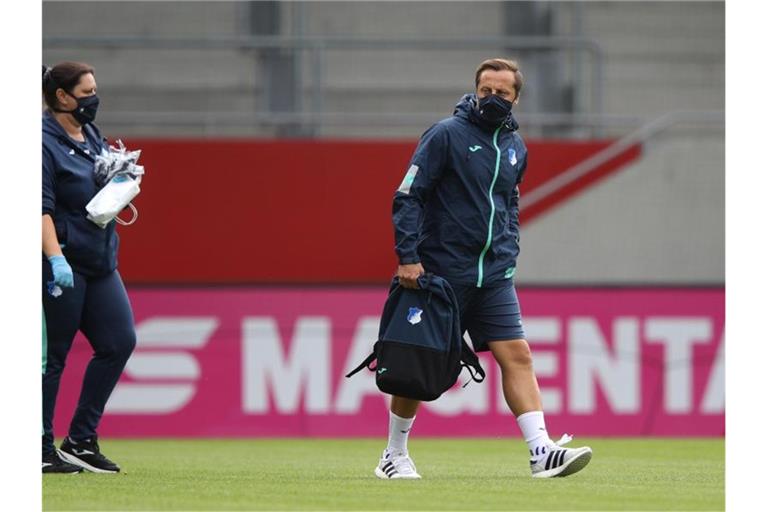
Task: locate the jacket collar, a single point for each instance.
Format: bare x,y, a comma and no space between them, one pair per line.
52,127
466,108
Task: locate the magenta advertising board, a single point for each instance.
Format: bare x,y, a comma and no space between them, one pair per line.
271,362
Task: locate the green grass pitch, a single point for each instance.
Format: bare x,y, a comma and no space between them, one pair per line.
458,474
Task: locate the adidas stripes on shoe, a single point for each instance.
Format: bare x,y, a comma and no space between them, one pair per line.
396,466
559,461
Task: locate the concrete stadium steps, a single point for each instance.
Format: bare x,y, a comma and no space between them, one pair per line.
659,56
145,18
191,100
388,19
171,69
418,70
651,64
653,18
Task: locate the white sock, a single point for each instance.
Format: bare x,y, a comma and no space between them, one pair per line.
398,433
535,433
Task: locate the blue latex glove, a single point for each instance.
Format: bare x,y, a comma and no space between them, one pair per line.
62,272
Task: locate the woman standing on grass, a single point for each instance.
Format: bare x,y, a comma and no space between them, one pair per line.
82,289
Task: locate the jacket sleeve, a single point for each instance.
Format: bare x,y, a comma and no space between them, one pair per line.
427,165
49,184
523,167
514,212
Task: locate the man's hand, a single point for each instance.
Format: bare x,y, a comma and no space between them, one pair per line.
407,274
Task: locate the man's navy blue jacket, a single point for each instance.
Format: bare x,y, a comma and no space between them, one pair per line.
68,185
456,210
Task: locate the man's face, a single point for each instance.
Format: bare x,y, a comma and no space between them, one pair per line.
500,83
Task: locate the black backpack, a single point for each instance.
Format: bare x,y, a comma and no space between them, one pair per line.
420,351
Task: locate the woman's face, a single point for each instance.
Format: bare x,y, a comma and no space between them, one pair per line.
85,87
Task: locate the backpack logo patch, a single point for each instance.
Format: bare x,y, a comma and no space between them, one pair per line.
512,157
414,315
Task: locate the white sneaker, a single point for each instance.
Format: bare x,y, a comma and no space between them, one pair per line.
559,461
396,465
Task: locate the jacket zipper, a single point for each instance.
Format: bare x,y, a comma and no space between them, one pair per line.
493,210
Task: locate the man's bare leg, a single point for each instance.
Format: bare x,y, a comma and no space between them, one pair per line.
404,407
521,391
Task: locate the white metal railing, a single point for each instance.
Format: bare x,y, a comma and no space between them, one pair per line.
213,119
639,136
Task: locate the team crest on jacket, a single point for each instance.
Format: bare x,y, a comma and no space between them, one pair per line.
512,157
414,315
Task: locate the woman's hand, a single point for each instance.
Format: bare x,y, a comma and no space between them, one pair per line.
62,272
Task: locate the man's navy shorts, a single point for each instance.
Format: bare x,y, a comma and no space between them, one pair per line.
489,314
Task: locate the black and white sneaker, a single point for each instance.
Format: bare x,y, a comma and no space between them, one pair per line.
87,455
558,461
396,466
52,463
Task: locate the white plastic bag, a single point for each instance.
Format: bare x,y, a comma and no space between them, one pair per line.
112,199
116,169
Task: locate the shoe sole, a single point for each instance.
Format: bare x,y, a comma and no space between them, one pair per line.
379,473
77,462
79,470
574,465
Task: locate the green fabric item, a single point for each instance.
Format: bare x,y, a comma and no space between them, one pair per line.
45,343
45,351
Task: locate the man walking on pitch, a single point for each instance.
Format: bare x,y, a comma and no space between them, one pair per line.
456,215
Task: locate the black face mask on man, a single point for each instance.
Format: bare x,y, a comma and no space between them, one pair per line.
494,109
86,109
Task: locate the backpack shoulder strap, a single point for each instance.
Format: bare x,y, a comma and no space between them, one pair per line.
365,364
470,361
468,358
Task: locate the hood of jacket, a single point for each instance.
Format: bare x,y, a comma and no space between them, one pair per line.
51,126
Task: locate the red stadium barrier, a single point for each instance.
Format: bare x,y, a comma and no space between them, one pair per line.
271,362
298,211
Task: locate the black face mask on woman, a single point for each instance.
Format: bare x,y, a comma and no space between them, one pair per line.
494,109
86,109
